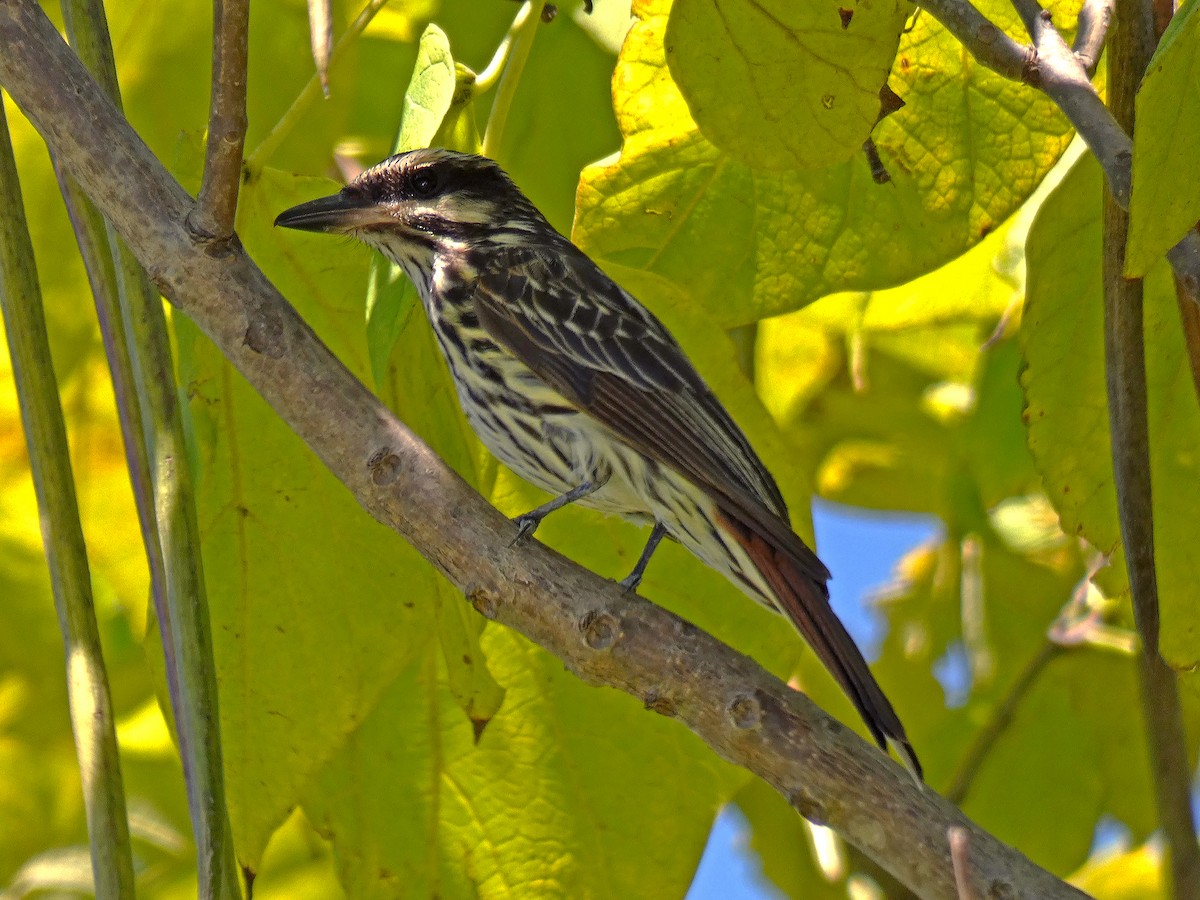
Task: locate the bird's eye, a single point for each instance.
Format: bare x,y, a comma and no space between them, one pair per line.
424,183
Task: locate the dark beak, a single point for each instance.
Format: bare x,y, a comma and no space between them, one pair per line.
338,213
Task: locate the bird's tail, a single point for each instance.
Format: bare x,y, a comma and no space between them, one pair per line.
798,585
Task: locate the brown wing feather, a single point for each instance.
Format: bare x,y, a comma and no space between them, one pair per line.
624,368
614,361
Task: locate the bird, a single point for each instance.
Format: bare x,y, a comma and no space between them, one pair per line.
579,389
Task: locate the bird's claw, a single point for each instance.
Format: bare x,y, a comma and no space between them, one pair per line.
629,584
526,525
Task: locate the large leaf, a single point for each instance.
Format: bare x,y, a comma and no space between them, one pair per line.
543,805
967,149
1067,412
783,85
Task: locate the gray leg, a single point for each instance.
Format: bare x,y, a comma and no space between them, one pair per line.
527,523
634,578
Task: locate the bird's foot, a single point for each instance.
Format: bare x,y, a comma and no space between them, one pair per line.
629,584
526,525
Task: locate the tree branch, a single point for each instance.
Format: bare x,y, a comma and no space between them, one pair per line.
986,41
1065,81
1062,76
212,217
742,712
1094,18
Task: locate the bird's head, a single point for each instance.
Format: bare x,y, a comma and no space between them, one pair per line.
417,205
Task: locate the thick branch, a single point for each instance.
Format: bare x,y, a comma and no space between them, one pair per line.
746,715
216,206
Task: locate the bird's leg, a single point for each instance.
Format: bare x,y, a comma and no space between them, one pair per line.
528,522
634,578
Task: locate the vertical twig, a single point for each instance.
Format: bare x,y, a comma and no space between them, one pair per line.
183,619
87,28
62,536
960,857
1130,49
213,215
320,27
162,488
522,33
1095,17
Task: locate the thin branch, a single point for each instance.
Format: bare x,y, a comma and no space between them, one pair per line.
1095,16
62,535
1060,73
959,840
987,42
998,722
520,39
1130,49
1066,83
605,636
212,217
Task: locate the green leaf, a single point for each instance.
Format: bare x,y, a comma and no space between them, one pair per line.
1166,145
430,91
967,149
391,297
890,399
783,85
459,627
1067,411
315,607
538,807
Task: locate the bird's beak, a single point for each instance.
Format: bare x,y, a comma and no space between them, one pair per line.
339,213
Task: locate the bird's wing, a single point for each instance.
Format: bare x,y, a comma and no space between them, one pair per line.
607,355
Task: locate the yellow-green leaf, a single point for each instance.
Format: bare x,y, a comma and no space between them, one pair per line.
1166,145
783,85
965,151
1067,412
1132,875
